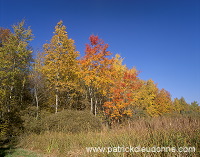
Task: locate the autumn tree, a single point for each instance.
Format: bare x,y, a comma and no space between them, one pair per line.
123,96
147,94
39,90
15,65
118,68
195,106
154,101
184,105
4,34
95,70
177,106
59,64
162,104
180,105
15,61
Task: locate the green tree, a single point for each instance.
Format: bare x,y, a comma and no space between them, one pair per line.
184,105
195,106
15,55
15,61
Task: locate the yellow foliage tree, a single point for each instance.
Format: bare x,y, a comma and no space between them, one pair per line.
147,94
161,105
59,63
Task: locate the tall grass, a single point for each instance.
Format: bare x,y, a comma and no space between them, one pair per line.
159,132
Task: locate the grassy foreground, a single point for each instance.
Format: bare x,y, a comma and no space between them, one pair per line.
157,132
18,153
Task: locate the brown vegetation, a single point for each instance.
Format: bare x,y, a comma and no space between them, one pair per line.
159,132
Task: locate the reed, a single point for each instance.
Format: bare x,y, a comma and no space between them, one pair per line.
159,132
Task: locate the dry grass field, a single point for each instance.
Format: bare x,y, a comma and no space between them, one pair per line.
155,132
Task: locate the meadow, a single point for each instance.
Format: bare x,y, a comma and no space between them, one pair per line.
154,132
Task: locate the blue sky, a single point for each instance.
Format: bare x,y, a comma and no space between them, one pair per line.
161,38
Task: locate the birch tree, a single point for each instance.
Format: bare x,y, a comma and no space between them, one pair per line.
96,70
59,63
15,62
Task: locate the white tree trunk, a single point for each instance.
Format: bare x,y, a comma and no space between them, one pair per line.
95,108
91,105
37,103
56,101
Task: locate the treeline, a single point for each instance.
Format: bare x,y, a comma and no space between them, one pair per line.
58,79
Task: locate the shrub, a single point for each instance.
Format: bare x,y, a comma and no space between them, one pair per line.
10,125
68,121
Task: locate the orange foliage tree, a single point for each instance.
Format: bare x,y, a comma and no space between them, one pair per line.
122,96
95,70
